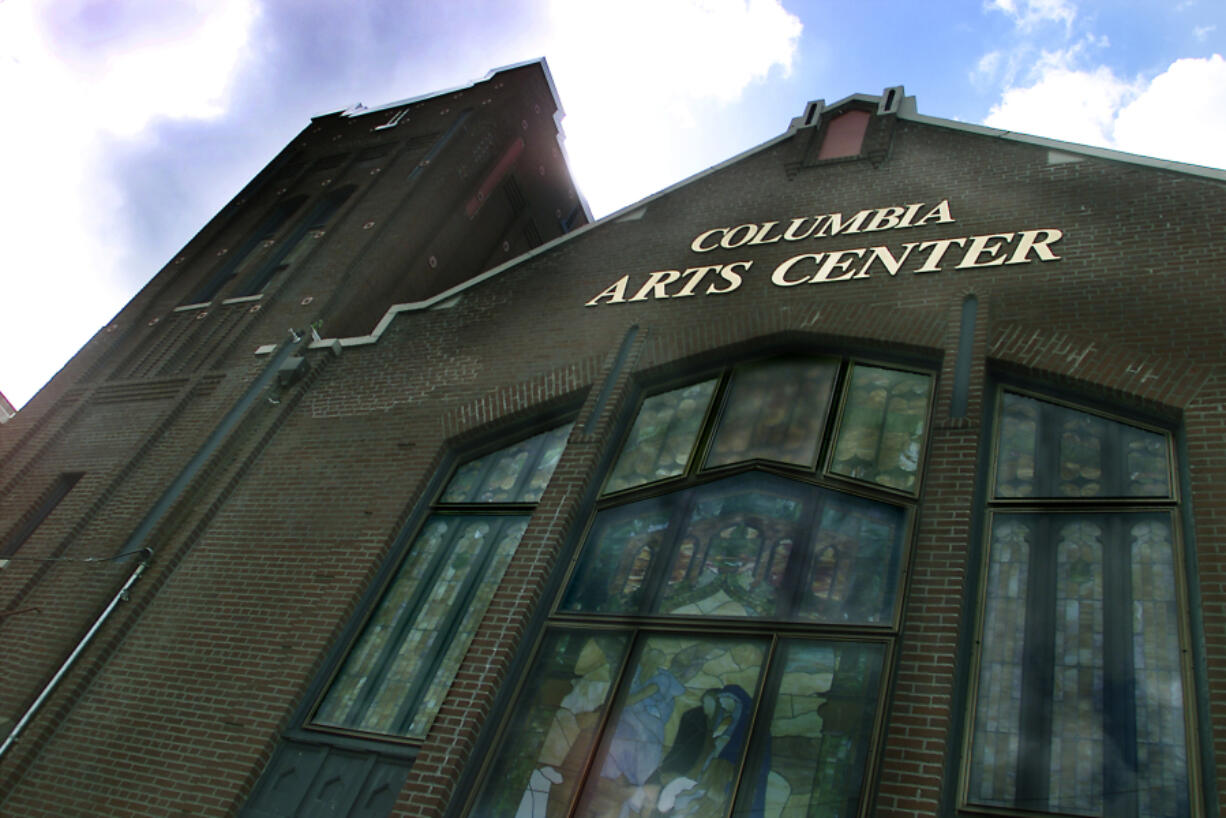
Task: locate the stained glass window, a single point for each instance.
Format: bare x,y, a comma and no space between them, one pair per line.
1048,450
774,411
720,642
881,433
751,546
395,676
1080,700
681,725
663,437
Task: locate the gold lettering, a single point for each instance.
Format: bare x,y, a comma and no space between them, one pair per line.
778,277
1027,240
616,293
696,275
731,276
979,246
939,247
656,282
696,244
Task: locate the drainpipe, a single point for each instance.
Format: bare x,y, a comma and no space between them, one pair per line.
146,556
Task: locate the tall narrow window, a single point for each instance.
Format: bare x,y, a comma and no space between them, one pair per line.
238,261
722,640
299,242
357,738
46,504
396,674
1080,703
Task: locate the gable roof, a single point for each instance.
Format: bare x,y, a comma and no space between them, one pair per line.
906,109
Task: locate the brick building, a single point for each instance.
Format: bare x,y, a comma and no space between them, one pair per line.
877,470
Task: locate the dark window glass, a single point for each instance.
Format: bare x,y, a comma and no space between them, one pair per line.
299,242
240,260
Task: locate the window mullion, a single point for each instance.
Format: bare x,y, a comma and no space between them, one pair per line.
393,645
1119,694
804,552
1034,751
660,567
751,757
619,681
452,619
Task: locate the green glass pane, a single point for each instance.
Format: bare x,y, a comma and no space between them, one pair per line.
1146,463
676,737
810,760
1081,444
733,549
881,434
553,726
616,562
1077,674
470,610
997,734
1047,450
1016,443
516,474
390,617
774,411
662,437
406,652
1161,743
854,564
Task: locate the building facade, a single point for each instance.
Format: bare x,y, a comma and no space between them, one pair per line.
874,471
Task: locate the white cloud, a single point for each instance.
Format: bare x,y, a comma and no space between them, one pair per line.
1201,33
1179,114
1029,14
60,235
657,60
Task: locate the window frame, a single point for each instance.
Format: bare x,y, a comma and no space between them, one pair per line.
1115,509
550,618
301,730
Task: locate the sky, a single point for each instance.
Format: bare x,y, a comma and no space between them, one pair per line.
129,123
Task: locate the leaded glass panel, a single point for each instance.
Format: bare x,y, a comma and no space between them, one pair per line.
754,545
1047,450
853,567
612,571
662,437
393,680
516,474
732,552
555,726
997,736
774,411
810,758
1080,702
881,433
676,738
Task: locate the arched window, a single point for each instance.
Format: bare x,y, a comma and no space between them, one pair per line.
724,632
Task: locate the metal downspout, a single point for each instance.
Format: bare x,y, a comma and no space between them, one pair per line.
120,596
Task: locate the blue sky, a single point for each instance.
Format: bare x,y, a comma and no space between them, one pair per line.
130,122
